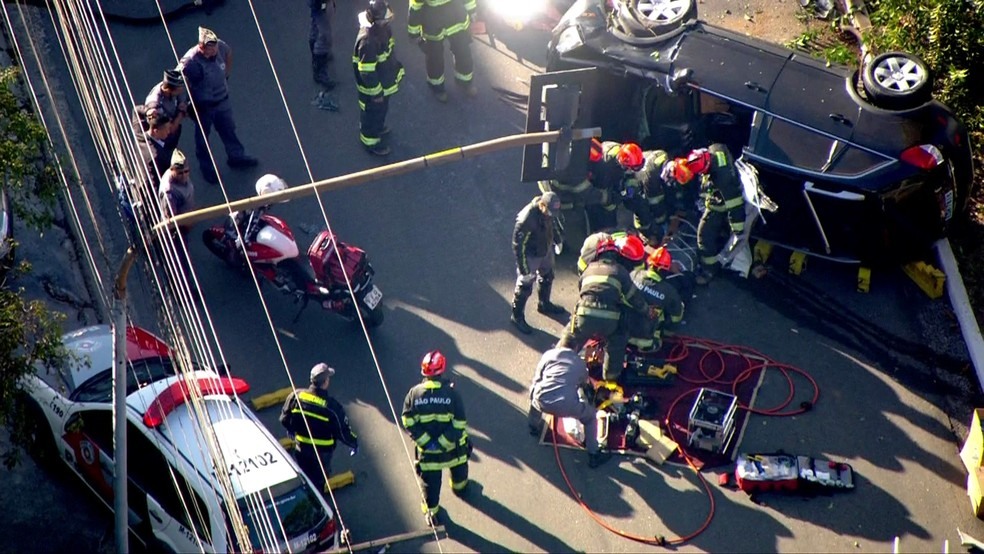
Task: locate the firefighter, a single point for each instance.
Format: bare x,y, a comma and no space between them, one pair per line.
645,195
434,417
533,246
576,193
316,422
724,203
644,333
430,23
377,74
609,174
606,292
561,388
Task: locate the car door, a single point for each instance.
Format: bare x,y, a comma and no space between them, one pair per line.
88,445
177,516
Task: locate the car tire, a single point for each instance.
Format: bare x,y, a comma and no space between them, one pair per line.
645,22
897,81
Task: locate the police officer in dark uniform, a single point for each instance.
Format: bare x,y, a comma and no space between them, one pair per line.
319,40
533,247
206,67
724,202
377,74
431,22
434,417
316,422
606,291
151,134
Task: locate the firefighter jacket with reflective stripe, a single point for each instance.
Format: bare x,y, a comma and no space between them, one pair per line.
589,250
607,174
434,416
532,235
660,293
605,288
377,71
723,189
645,190
313,409
436,20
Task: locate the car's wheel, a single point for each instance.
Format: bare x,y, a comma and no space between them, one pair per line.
897,81
645,22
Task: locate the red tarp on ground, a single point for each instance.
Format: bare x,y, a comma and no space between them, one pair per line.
699,365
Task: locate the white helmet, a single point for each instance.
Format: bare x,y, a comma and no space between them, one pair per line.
269,184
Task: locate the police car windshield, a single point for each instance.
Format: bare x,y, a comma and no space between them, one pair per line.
293,502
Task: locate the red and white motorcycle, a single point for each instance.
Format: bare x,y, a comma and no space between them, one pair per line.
274,255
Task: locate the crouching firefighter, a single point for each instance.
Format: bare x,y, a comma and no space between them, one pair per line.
606,291
561,388
533,246
434,417
646,334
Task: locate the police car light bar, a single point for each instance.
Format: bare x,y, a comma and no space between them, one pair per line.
177,394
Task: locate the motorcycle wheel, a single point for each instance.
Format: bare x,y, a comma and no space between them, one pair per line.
375,317
213,238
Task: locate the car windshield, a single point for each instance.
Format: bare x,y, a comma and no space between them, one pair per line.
138,375
293,503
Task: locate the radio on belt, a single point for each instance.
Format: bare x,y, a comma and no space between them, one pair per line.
712,420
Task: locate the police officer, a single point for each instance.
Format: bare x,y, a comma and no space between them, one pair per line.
644,333
606,291
430,23
377,74
319,40
206,67
434,417
316,422
561,388
168,98
724,203
176,191
533,247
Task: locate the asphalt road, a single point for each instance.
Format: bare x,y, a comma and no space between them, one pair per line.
894,396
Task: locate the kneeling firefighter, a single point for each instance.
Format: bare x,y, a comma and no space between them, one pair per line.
646,334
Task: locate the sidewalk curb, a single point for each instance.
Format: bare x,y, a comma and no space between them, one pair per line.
957,293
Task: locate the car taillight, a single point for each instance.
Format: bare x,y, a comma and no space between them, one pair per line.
328,530
924,156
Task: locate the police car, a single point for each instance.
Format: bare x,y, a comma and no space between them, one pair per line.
177,501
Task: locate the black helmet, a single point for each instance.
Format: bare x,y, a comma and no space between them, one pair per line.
377,10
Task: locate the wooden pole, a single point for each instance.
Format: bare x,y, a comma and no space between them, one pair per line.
399,168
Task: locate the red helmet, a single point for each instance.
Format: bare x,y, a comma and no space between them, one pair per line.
699,161
606,245
596,151
631,248
433,364
660,259
630,156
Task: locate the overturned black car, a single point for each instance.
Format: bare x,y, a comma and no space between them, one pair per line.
864,165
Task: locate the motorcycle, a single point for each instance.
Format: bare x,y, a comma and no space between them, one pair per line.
274,255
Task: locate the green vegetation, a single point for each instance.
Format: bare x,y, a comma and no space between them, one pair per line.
30,334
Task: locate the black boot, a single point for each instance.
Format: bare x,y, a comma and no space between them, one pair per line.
319,70
544,305
518,318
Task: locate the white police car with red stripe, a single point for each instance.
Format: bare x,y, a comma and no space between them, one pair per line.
178,500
